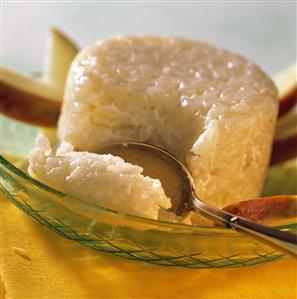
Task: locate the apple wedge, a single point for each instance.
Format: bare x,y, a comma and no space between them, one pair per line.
28,99
37,101
285,143
284,150
59,53
286,83
268,210
29,84
286,125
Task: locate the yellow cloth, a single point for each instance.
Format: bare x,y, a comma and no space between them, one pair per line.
37,263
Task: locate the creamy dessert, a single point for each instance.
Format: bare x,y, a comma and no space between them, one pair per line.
102,179
211,108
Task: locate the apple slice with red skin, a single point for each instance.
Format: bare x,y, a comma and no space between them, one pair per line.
59,54
25,106
288,102
37,101
284,150
286,83
285,142
265,209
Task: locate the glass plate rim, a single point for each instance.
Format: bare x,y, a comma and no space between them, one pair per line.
191,228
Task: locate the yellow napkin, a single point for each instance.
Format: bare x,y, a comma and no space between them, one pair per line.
37,263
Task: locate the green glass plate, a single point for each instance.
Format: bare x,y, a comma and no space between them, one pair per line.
123,235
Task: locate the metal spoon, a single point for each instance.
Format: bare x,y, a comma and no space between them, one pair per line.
184,198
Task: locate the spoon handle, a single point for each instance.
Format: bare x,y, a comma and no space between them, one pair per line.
282,240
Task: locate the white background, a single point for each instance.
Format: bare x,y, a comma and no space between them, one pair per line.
265,32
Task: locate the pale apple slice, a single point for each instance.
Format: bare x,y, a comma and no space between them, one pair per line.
29,84
286,83
59,53
27,99
286,125
285,143
38,101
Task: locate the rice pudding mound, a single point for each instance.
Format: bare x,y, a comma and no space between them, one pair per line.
211,108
